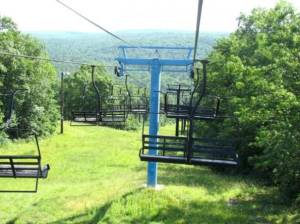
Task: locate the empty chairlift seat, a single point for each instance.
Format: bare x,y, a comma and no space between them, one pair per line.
136,101
177,101
213,152
20,165
207,110
167,149
113,116
14,166
202,151
114,111
85,112
138,105
84,117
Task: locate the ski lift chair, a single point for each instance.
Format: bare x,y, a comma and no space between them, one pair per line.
195,151
208,151
87,117
19,165
165,149
83,116
213,152
187,149
138,103
178,105
23,166
114,110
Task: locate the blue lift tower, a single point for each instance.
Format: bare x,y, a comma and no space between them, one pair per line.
156,60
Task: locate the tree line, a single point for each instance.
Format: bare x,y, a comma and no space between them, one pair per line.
257,69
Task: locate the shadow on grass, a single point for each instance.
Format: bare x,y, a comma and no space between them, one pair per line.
195,176
194,213
217,212
12,221
251,211
92,216
246,208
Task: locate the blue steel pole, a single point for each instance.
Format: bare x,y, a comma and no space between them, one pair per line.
154,119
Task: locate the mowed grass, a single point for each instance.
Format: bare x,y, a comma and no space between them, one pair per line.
96,177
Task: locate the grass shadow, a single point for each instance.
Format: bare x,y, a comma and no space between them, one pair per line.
195,176
210,212
257,210
92,216
12,221
144,206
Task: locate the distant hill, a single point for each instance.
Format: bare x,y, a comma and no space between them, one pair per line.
88,47
99,47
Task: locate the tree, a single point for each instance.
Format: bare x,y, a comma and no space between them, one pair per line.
258,68
35,108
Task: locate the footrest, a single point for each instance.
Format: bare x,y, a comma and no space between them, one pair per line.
162,159
213,162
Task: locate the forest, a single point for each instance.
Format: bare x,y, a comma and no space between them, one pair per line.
254,72
95,47
87,47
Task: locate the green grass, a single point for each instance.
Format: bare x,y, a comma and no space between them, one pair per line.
96,177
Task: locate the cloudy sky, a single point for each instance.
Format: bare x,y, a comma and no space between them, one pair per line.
48,15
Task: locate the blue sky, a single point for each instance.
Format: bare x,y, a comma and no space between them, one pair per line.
48,15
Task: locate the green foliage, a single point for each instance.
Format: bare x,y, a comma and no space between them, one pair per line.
258,68
132,123
35,108
87,47
6,24
97,177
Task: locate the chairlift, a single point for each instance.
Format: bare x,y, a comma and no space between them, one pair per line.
188,149
108,110
21,166
162,148
136,103
179,103
84,116
213,152
114,110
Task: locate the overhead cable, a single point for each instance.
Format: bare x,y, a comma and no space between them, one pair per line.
92,22
199,14
48,59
